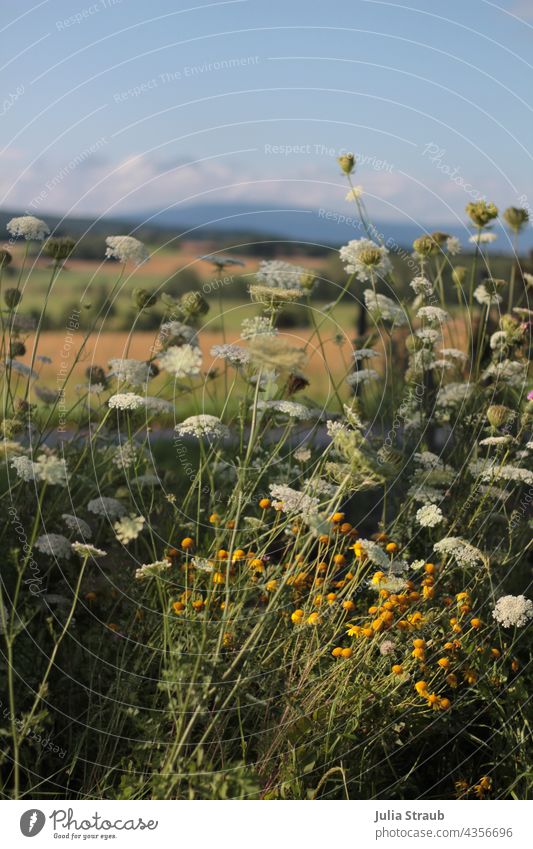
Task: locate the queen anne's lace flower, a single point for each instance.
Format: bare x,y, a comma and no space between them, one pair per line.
258,326
511,372
292,409
79,526
150,570
182,361
126,401
51,470
203,426
24,467
158,405
281,275
433,315
293,502
513,611
483,238
85,550
108,507
178,333
382,308
365,354
362,375
55,545
128,528
421,286
364,258
429,516
28,227
134,372
126,249
453,245
465,553
375,554
233,354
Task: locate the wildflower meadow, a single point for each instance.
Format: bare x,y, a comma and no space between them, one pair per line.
293,565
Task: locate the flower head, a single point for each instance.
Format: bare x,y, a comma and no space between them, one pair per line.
182,361
126,401
513,611
83,549
203,426
364,258
126,249
128,528
28,227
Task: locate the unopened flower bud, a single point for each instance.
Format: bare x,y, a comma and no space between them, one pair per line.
143,299
194,304
498,415
426,246
347,162
5,257
516,217
12,297
59,249
481,212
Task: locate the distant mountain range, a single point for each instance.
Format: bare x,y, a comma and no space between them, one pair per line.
325,227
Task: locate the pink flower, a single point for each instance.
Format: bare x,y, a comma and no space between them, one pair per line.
530,395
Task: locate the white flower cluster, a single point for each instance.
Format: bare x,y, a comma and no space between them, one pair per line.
362,375
233,354
134,372
150,570
83,549
74,523
128,528
28,227
511,372
126,249
182,361
47,468
104,506
126,401
280,275
483,296
382,308
429,516
375,554
365,354
513,611
433,315
293,502
55,545
203,426
464,553
356,254
421,286
287,408
258,326
158,405
179,333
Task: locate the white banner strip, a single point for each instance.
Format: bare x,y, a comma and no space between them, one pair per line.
262,825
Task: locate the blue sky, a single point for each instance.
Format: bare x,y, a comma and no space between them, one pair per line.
117,106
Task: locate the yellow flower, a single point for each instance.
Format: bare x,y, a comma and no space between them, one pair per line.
264,503
397,669
187,543
444,662
218,578
421,688
313,619
347,652
348,605
337,517
391,547
354,630
214,519
297,616
271,586
475,623
178,607
337,652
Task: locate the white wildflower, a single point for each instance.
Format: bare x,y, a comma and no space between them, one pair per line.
293,502
85,550
55,545
150,570
30,228
429,516
454,354
464,553
496,440
126,249
81,527
453,394
354,194
453,245
158,405
233,354
483,238
104,506
483,296
178,333
202,426
281,275
433,315
364,258
258,326
387,647
428,335
134,372
510,372
52,470
363,375
126,401
375,554
421,286
365,354
382,308
24,467
183,361
292,409
128,528
513,611
498,340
